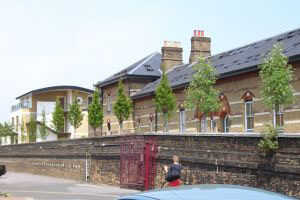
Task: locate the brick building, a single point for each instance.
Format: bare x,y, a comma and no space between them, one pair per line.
238,81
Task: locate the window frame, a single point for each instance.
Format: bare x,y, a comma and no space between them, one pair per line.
247,116
109,104
226,124
182,121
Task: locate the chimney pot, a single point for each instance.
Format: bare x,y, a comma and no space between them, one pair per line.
171,54
195,32
200,46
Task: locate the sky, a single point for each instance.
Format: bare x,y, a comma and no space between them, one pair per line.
80,42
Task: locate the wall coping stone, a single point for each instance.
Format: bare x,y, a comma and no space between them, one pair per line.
231,134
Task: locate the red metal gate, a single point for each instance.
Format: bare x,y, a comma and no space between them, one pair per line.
137,162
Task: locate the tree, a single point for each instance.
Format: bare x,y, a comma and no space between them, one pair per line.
43,126
201,94
276,75
31,127
58,118
75,115
22,129
123,106
165,102
7,130
95,112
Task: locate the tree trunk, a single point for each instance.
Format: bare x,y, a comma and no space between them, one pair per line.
121,127
74,133
95,132
276,115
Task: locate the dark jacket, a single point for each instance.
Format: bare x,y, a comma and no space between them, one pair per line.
174,172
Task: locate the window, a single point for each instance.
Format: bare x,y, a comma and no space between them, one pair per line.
182,120
226,124
138,122
212,125
90,100
249,116
151,122
279,119
109,106
62,102
203,124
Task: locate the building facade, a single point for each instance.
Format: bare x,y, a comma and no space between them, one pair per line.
33,103
238,82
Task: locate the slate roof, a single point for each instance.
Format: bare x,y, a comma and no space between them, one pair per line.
60,87
233,62
147,67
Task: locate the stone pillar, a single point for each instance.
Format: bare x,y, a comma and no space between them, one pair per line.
171,55
200,46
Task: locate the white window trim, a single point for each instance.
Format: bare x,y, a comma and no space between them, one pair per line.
225,125
246,116
182,121
280,113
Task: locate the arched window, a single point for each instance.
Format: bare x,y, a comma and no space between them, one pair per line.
109,103
151,122
226,123
108,126
138,122
248,114
224,113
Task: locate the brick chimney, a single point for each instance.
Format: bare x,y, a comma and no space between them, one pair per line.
171,54
200,46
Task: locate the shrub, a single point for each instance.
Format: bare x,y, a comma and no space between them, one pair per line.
269,142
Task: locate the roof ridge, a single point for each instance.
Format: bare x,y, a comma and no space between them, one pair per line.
142,63
266,38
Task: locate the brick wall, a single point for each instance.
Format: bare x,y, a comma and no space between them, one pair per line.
233,89
207,158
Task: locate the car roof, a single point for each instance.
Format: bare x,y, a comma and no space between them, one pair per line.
209,192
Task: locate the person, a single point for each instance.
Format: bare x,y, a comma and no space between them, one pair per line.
173,173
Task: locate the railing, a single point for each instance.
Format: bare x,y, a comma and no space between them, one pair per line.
83,105
21,105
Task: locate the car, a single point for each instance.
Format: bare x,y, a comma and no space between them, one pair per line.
208,192
2,170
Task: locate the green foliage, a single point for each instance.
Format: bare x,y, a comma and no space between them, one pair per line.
269,142
7,130
23,130
123,106
58,118
201,94
75,115
43,127
95,112
31,127
276,75
165,102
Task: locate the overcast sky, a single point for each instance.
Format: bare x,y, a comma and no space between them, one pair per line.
55,42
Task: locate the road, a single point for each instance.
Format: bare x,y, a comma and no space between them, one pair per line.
44,187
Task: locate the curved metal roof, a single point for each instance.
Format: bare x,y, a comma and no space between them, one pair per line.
54,88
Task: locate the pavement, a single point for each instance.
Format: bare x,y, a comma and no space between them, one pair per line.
23,186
